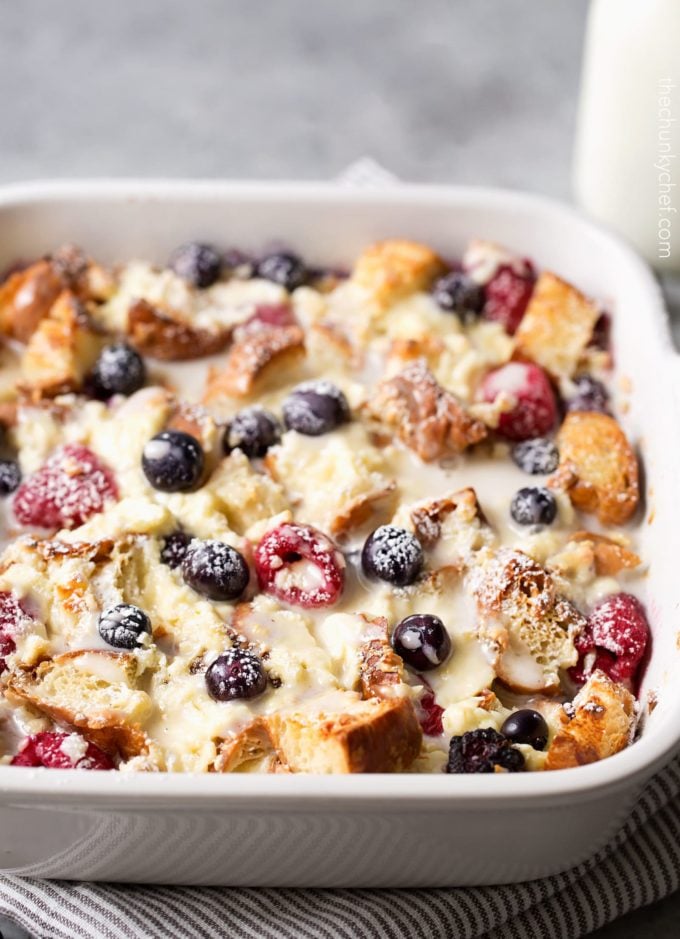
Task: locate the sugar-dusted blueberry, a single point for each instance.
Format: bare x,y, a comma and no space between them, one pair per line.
315,408
483,751
174,548
538,456
10,477
533,505
526,726
283,268
456,292
253,431
123,626
119,370
173,461
215,570
590,395
422,641
237,673
392,554
199,264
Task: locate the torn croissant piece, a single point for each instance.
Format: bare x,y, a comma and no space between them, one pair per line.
603,723
390,270
557,326
423,415
340,733
529,624
250,746
164,335
598,467
381,670
255,361
457,517
609,556
62,349
92,691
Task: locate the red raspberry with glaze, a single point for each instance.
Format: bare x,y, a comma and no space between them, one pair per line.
266,317
535,411
507,295
300,565
615,640
57,750
12,619
72,486
431,715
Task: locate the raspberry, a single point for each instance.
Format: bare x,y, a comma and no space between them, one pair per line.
535,411
431,715
12,619
266,317
483,751
299,565
57,750
614,641
507,295
73,485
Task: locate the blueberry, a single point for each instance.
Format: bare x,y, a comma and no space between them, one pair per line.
10,477
315,408
392,554
533,506
481,751
237,673
198,264
215,570
282,268
123,626
119,370
591,395
526,726
422,641
538,456
173,461
458,293
253,431
174,548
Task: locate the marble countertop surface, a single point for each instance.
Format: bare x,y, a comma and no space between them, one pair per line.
443,91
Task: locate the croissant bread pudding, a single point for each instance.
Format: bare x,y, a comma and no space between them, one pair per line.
263,517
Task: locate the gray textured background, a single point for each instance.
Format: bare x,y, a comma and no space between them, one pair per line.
456,91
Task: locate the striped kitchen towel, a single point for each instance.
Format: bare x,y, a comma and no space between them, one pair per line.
641,865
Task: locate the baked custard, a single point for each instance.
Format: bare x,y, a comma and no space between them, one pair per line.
264,517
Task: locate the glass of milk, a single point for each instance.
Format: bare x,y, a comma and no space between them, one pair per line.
627,161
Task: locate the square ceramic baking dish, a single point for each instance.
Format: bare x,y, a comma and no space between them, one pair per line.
369,831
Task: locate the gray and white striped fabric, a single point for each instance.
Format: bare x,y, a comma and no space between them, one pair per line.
641,865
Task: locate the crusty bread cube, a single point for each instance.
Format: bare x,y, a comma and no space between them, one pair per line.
341,733
390,270
598,467
62,349
603,723
338,487
93,691
251,746
423,415
243,495
164,334
529,623
557,326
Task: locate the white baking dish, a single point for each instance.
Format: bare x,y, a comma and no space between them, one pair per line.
397,831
